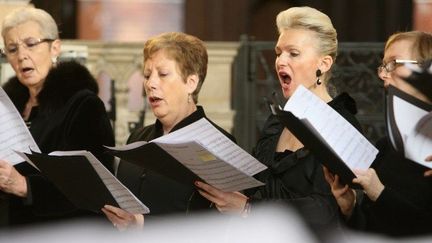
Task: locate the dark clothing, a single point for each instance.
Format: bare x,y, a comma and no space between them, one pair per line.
404,207
296,177
161,194
70,116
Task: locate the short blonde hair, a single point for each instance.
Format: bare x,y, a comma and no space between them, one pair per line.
421,46
188,51
48,26
308,18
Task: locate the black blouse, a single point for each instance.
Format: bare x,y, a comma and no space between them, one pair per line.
161,194
296,177
70,116
404,207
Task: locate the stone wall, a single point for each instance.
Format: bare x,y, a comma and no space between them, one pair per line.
120,61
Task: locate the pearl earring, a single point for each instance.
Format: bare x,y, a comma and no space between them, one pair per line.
318,74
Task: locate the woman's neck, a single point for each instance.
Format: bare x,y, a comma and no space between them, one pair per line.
171,121
34,91
31,102
287,141
321,92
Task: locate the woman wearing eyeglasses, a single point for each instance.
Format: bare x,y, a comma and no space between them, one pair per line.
398,198
60,105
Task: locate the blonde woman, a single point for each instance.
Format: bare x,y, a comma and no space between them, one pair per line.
305,53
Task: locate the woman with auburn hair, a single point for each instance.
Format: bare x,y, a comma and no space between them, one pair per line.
175,66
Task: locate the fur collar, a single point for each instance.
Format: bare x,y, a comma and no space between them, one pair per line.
62,82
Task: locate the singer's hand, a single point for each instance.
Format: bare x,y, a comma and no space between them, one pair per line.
428,172
122,219
345,196
370,182
11,181
226,202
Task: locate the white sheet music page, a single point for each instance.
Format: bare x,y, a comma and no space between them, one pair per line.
416,131
14,135
125,198
126,147
210,154
345,140
209,167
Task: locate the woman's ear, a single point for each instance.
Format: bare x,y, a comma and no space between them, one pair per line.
56,48
192,83
326,63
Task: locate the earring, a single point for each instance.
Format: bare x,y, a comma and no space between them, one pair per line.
189,98
318,74
54,60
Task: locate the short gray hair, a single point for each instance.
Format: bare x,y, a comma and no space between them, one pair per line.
47,24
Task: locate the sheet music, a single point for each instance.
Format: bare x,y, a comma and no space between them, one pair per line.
346,141
203,132
196,147
416,131
121,194
14,134
213,170
403,109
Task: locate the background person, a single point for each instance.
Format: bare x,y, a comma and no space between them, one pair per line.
398,199
175,66
60,105
305,53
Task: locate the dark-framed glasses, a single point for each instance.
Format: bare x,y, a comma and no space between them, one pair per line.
393,64
28,43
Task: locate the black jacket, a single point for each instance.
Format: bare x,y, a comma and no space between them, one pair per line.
161,194
296,177
404,207
70,116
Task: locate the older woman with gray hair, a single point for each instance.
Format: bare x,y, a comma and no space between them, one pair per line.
59,103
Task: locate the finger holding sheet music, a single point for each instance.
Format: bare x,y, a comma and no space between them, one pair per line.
226,202
14,136
122,219
11,181
344,195
370,182
429,160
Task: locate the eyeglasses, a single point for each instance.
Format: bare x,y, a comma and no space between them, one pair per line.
28,43
392,65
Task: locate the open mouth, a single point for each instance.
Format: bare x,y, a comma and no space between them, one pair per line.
284,77
154,99
26,70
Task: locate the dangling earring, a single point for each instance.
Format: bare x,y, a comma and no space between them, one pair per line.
318,74
54,60
189,98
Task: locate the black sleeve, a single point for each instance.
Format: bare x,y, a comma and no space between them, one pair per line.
299,183
88,129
